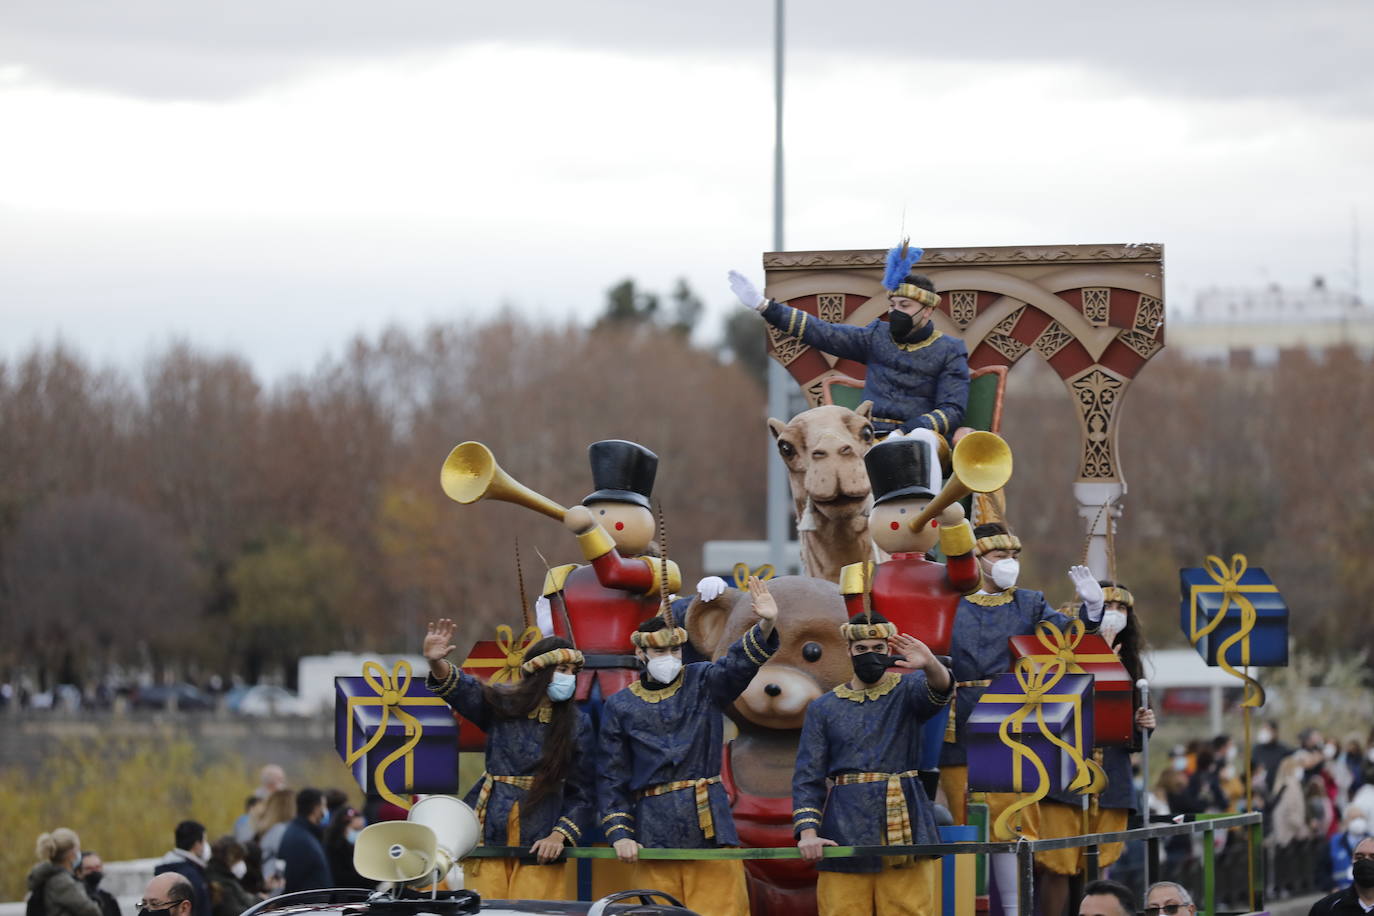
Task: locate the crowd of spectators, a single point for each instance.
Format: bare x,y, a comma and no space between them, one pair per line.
285,841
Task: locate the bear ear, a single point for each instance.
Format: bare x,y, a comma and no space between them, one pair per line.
706,621
865,410
776,426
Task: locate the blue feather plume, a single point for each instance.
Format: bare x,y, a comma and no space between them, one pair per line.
900,260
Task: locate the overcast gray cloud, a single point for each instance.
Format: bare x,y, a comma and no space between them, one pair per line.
1316,51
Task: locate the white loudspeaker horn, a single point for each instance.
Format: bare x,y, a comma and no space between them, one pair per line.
439,831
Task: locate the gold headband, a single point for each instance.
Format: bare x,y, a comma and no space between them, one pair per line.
997,542
666,638
854,632
919,294
552,659
1118,594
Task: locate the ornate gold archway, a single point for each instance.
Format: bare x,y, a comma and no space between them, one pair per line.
1095,313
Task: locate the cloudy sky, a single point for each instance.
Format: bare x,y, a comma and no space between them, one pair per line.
273,176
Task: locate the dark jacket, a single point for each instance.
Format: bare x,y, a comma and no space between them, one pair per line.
1341,903
109,906
63,895
179,861
306,866
227,895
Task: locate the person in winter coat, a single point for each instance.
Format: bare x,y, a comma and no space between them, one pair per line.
228,897
52,882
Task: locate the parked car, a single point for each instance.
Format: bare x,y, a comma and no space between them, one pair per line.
160,696
358,902
269,700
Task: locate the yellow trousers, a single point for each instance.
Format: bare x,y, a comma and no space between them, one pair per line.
1059,820
511,879
908,891
954,783
714,886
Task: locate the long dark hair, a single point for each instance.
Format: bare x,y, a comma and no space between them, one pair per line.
517,701
1131,640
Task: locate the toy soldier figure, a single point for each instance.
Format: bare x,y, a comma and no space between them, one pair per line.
660,759
863,737
985,620
917,595
537,791
917,376
605,601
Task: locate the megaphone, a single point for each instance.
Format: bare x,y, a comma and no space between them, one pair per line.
421,849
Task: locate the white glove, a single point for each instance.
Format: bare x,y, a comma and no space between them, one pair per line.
543,615
1089,592
712,587
744,290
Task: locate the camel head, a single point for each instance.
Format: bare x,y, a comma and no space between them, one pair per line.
824,449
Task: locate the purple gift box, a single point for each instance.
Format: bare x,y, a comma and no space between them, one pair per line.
362,710
1067,709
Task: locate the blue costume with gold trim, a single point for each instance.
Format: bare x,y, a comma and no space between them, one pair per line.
654,737
923,383
514,749
982,625
864,741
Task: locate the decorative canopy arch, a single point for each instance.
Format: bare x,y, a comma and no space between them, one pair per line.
1094,313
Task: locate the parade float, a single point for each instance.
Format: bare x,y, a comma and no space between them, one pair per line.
1095,315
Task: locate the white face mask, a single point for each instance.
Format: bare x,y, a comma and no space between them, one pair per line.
1005,571
561,687
1330,751
1358,827
1265,736
1113,622
664,668
239,868
1180,763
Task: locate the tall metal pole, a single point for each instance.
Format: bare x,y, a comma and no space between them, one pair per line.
779,496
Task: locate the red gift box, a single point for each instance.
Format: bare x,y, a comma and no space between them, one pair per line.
495,661
1087,653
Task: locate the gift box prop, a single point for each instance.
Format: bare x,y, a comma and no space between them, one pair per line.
496,661
1032,733
1235,617
397,737
1087,653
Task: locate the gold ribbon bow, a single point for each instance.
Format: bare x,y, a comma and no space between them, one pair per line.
1063,646
742,572
391,696
1227,582
512,654
1036,682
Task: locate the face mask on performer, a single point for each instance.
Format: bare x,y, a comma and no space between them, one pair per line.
870,666
662,668
1113,622
561,686
1005,572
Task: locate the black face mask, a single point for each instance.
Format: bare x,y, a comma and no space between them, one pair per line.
165,911
92,880
1363,871
899,324
869,667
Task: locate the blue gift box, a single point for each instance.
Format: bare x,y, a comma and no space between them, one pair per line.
1202,595
1067,708
416,735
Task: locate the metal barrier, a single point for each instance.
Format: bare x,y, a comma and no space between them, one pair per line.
1024,850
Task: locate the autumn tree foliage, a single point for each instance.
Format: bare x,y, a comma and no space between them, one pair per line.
198,520
193,518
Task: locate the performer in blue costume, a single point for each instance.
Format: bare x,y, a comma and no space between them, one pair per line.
1110,812
864,738
983,623
660,759
537,791
917,376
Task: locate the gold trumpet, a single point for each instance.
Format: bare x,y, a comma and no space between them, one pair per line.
471,473
981,463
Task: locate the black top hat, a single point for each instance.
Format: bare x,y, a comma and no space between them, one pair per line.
899,469
622,472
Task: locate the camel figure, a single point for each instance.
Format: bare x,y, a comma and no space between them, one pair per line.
824,449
